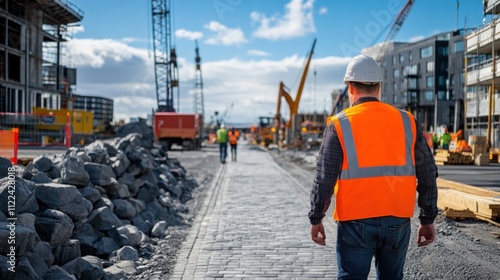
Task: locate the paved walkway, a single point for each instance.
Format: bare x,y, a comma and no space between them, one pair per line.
254,225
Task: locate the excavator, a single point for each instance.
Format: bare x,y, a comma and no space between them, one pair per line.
289,132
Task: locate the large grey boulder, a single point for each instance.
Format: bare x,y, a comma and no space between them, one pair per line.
105,246
25,238
56,195
73,172
37,263
120,163
56,272
88,235
43,163
54,226
24,271
87,267
100,174
90,193
126,235
5,166
97,152
44,250
66,251
126,253
103,219
123,209
25,201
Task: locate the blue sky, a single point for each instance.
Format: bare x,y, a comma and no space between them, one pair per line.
247,47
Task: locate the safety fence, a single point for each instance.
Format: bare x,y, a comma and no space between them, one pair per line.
9,144
38,129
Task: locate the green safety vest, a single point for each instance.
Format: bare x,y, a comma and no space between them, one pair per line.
222,135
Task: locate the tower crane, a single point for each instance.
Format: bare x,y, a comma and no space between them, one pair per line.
165,57
199,106
398,22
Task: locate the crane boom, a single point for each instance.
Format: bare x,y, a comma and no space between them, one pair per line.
199,106
393,31
292,104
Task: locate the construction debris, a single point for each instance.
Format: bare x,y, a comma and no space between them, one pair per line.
90,211
446,157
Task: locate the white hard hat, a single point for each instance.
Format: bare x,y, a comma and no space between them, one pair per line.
222,125
363,69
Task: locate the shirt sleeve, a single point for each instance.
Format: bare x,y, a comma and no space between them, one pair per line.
328,168
427,172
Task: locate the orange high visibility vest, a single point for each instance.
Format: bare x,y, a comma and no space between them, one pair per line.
378,170
233,137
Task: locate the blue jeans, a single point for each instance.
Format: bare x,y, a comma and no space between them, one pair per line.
385,238
222,151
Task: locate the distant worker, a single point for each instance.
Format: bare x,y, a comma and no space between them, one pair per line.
435,141
445,139
375,186
234,136
222,139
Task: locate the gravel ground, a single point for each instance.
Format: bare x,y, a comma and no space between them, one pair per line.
463,249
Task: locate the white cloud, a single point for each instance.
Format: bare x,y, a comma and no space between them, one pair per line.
74,29
224,35
296,22
126,74
258,53
323,10
191,35
93,52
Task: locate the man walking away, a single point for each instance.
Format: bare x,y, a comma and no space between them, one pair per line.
233,135
374,187
222,140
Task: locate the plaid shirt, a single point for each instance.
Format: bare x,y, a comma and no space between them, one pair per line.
329,166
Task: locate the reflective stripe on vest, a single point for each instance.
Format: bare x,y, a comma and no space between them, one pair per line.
355,172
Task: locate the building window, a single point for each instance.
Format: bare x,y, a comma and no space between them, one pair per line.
426,52
442,95
458,46
430,81
394,60
410,70
410,57
428,95
442,50
396,73
441,81
394,86
394,99
404,98
412,83
452,80
401,58
430,66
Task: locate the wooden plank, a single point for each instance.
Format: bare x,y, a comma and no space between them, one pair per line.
460,201
442,183
458,214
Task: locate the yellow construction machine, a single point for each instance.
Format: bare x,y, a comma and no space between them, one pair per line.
292,129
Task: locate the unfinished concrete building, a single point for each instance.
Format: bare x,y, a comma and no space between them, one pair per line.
482,108
32,37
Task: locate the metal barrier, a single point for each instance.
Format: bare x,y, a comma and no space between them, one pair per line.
9,144
38,129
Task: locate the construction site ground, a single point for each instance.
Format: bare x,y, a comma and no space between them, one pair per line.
248,220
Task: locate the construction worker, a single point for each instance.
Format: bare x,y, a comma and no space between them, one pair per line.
234,136
445,139
375,185
222,139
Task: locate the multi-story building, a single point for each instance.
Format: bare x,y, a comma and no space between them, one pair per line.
32,36
482,102
426,78
101,107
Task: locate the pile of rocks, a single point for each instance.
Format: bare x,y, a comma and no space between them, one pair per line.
88,214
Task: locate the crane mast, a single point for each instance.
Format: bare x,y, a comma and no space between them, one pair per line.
199,106
165,57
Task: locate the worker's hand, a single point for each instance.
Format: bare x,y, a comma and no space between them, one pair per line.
318,234
425,235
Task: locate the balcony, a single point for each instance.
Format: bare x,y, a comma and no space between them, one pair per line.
60,11
478,105
482,73
491,6
481,41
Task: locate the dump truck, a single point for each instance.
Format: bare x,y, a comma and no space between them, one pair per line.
184,130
